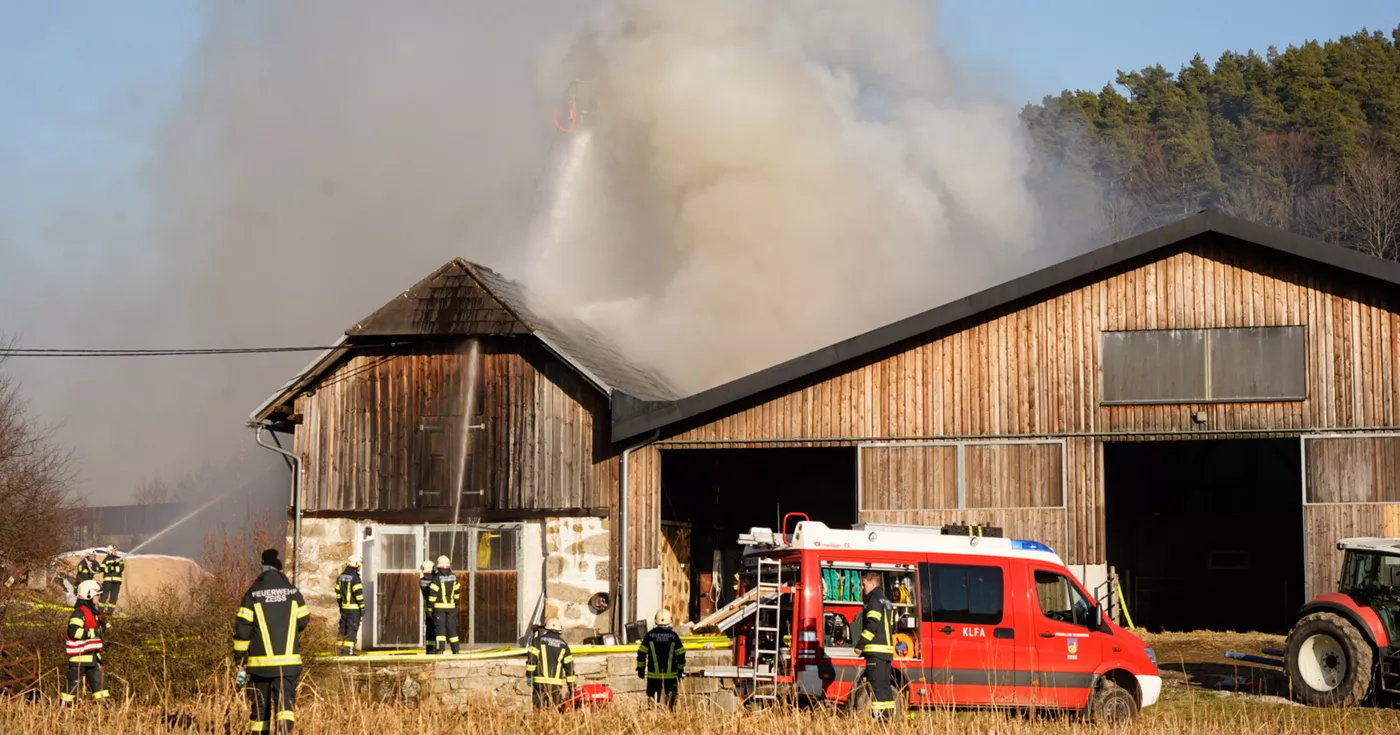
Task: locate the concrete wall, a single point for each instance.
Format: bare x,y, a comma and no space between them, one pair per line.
501,682
577,566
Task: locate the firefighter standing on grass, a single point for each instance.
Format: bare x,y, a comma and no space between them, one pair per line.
350,592
443,593
661,660
267,646
424,581
83,645
113,567
549,667
876,644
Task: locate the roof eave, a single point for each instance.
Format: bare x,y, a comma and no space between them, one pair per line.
303,379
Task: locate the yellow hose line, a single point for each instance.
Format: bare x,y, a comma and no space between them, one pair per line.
507,652
1124,605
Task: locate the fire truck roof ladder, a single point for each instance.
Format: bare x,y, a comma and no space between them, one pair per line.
768,628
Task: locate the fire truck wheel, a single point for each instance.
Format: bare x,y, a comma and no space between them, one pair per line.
1113,704
1329,663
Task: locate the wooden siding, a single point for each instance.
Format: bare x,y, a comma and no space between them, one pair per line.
1034,370
384,432
675,569
1353,490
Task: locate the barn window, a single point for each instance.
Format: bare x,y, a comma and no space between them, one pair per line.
962,476
1204,365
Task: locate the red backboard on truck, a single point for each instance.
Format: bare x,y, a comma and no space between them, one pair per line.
980,621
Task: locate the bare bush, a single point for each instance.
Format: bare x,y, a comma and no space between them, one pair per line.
1368,204
36,481
154,492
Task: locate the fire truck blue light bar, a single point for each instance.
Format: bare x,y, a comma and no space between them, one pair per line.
1024,545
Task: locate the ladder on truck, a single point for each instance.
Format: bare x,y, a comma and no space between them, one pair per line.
768,622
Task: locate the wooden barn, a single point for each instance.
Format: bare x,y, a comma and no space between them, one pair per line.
1203,409
455,422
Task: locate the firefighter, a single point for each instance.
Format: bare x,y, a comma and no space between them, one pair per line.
267,646
113,567
429,637
84,647
661,660
876,644
443,592
350,591
88,567
549,667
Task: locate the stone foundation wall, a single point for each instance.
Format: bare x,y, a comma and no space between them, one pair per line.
326,544
576,568
501,682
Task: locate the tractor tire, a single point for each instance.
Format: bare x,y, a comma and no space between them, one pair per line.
1329,663
1112,704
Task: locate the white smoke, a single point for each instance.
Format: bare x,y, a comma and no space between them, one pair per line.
757,179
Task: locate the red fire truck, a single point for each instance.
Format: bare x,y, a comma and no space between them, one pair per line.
986,621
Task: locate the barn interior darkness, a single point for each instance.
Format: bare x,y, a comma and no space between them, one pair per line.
722,493
1197,528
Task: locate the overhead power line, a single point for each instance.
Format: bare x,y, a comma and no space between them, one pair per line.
134,352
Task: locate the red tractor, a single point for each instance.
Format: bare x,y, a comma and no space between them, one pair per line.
1345,645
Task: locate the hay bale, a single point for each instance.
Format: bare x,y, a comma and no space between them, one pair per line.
149,576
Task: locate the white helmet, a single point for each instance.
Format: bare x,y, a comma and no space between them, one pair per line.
554,625
356,560
443,561
88,590
426,566
663,617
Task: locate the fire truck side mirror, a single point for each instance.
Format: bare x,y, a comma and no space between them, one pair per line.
1096,622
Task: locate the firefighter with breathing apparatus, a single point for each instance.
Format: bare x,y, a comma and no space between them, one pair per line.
350,593
267,646
661,660
443,593
83,645
549,667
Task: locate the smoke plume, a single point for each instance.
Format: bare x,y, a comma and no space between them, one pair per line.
750,180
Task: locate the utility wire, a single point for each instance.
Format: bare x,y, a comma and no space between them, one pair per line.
37,352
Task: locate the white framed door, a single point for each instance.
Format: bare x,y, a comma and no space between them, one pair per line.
396,606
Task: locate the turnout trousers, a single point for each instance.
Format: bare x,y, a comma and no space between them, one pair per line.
270,699
445,629
349,629
878,673
110,591
548,696
96,683
663,691
429,633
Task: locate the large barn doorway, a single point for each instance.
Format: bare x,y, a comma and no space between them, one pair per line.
710,496
1207,535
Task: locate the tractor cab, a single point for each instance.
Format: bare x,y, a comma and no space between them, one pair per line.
1371,576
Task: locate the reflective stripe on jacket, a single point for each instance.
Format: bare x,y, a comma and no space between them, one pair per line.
349,590
661,653
83,642
875,639
550,660
444,590
113,569
269,623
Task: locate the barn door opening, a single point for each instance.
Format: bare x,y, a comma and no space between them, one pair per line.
710,496
1206,535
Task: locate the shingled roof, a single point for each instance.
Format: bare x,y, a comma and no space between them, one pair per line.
465,299
633,416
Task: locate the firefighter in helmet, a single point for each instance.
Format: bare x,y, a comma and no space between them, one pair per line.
267,646
83,645
350,592
424,581
549,667
876,644
113,568
88,567
443,593
661,660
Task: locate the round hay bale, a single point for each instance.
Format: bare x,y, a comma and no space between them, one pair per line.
149,577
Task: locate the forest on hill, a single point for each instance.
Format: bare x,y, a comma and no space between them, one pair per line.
1306,139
